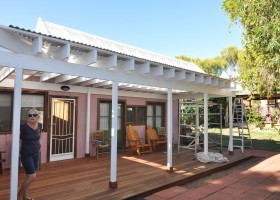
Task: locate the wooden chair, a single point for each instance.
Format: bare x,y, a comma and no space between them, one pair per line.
1,161
100,143
154,138
162,134
134,142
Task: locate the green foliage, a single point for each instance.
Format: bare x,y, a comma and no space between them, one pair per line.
226,62
230,55
259,65
214,66
268,140
254,117
188,115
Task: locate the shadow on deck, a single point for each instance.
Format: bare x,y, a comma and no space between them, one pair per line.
137,176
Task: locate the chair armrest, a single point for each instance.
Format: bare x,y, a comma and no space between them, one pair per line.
94,142
107,141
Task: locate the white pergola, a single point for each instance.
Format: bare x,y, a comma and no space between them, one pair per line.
55,55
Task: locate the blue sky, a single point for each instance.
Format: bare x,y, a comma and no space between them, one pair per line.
195,28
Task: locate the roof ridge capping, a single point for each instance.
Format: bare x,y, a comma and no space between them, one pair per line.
74,35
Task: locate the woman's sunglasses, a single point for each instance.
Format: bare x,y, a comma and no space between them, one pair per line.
34,115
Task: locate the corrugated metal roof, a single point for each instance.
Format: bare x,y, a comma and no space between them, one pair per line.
58,31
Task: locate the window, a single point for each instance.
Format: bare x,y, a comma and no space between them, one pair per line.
28,101
105,116
141,115
136,115
5,107
155,115
130,115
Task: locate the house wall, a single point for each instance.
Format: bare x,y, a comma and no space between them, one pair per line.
6,140
6,146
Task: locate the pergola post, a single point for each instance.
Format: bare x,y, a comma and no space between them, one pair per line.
230,145
87,151
16,134
169,131
114,131
205,123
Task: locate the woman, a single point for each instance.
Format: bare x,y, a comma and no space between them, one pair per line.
30,133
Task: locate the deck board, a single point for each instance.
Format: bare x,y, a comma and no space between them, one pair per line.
88,178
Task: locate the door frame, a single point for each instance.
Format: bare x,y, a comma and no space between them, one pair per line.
74,125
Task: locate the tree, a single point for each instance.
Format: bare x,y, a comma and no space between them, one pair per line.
259,63
214,66
230,55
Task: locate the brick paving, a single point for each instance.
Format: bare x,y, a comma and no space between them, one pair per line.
258,182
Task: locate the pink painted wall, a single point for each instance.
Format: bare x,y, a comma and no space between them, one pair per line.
5,140
134,101
6,146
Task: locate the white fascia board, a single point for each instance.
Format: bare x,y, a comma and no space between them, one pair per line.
47,76
107,62
9,83
180,75
143,68
233,84
229,84
63,78
169,73
59,67
127,65
222,83
102,83
37,46
192,95
189,95
215,81
90,82
5,72
87,59
25,76
199,78
13,44
63,53
190,76
207,80
77,80
157,70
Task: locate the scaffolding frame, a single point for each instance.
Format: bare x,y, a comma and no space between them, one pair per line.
194,130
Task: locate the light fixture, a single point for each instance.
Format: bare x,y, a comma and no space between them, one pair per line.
65,88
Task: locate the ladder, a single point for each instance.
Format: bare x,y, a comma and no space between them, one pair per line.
241,124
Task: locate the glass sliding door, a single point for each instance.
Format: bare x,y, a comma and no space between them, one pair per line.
105,118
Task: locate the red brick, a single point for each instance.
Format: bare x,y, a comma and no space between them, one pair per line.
171,192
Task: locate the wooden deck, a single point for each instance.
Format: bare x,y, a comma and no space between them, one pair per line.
137,176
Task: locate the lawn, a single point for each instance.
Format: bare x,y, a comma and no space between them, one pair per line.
268,139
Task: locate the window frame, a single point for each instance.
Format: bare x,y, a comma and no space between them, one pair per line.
136,110
36,93
154,116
